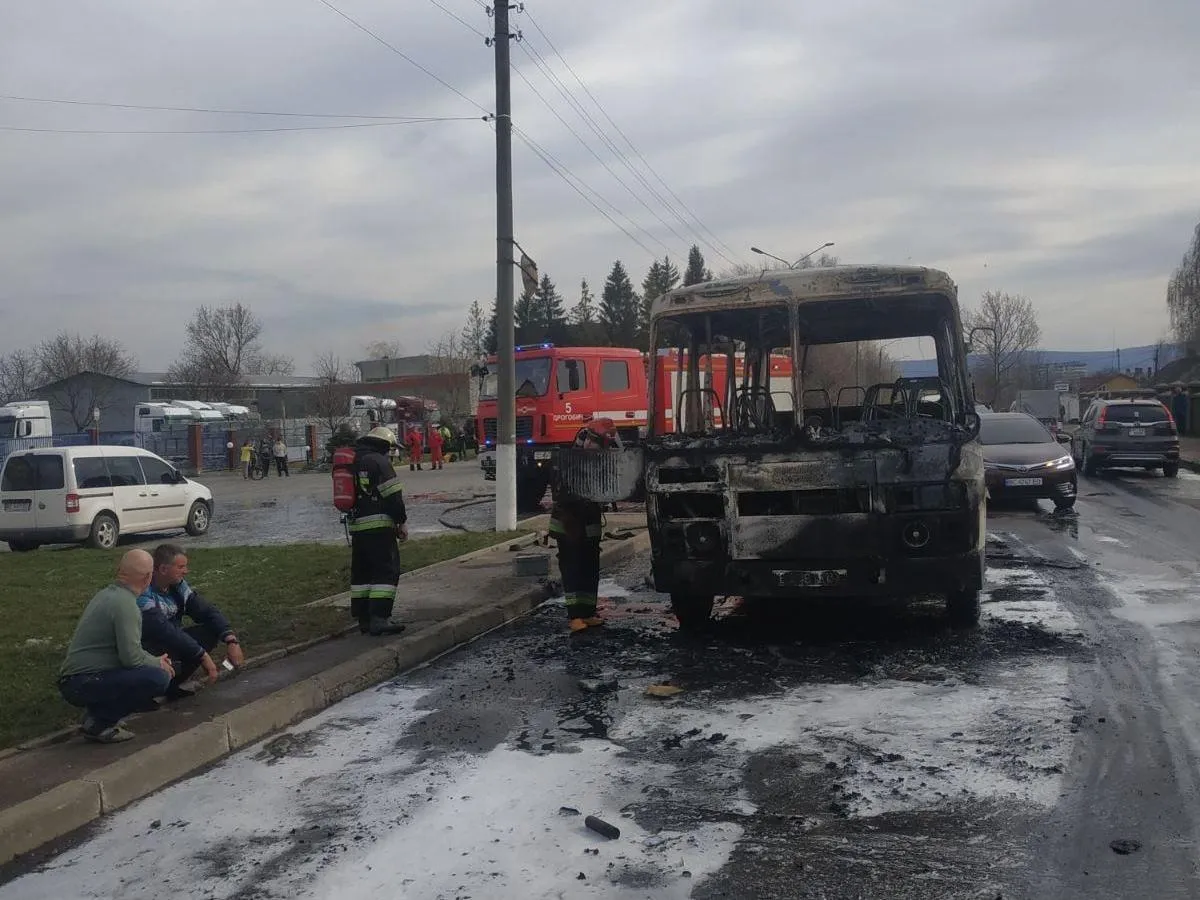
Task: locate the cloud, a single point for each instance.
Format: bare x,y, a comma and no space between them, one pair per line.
1042,149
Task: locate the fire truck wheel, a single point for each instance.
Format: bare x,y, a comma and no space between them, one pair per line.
694,611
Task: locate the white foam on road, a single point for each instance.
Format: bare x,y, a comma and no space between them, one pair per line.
349,810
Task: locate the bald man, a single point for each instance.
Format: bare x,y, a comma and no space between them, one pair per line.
106,671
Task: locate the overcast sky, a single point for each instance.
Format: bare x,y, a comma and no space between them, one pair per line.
1048,149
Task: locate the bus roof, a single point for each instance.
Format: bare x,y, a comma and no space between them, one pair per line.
807,285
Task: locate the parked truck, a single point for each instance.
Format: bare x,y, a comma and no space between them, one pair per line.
849,492
1050,407
25,419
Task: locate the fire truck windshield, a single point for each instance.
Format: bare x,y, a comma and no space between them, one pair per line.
533,379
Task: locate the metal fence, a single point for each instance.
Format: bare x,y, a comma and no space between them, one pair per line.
173,444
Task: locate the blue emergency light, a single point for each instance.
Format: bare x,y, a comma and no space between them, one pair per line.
534,347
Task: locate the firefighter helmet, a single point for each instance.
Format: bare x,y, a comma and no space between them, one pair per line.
381,434
598,434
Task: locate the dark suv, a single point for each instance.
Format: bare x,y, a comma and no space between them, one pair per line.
1134,433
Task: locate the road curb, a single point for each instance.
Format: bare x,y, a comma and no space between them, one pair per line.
71,805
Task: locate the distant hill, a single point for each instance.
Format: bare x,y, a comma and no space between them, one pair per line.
1096,361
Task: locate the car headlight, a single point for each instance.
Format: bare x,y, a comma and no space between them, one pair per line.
1063,462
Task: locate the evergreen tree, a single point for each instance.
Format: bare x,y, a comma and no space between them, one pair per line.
662,277
549,312
584,312
695,273
475,332
493,335
525,319
620,307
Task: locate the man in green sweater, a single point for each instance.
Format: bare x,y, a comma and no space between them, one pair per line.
106,670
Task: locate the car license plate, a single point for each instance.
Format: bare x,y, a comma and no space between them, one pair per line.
541,454
810,578
1022,482
17,505
1137,432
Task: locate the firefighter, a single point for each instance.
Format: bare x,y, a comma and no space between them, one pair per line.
416,449
576,525
376,524
436,443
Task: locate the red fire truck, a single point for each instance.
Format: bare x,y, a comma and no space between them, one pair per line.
558,390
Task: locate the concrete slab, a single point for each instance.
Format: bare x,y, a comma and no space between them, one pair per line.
43,818
157,766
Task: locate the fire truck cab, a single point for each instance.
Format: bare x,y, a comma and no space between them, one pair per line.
559,389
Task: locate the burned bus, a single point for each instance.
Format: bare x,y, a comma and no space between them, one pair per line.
845,480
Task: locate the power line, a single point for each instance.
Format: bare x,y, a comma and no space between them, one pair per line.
540,63
606,166
197,109
459,19
629,142
566,175
369,33
240,130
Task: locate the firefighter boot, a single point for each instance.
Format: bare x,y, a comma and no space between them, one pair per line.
381,620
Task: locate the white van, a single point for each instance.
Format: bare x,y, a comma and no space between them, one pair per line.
59,495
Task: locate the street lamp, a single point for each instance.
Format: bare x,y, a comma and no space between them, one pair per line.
784,261
772,255
807,255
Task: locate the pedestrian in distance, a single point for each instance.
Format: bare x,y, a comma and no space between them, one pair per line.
107,672
247,457
1179,408
377,525
416,449
264,456
164,604
577,526
281,457
436,444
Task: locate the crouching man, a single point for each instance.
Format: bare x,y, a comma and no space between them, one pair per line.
164,603
106,671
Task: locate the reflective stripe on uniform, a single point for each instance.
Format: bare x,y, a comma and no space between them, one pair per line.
372,591
557,527
391,486
372,523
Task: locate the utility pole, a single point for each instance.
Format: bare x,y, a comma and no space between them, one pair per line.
506,424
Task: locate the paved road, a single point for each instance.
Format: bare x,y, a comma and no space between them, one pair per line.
841,755
300,509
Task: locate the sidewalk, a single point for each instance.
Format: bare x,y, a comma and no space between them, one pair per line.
1189,453
48,791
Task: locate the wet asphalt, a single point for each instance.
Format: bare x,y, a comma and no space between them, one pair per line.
838,751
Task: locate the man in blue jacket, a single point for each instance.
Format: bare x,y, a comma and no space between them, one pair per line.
164,604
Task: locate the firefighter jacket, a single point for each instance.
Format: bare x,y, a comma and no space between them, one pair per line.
379,494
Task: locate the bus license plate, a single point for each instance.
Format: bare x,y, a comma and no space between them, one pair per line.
810,578
1022,482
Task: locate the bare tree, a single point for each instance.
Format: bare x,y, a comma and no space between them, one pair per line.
222,347
1183,298
831,367
1009,331
383,349
451,363
19,376
77,373
331,397
740,269
271,364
